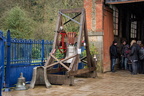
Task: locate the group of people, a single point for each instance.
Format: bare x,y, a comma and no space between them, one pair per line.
131,56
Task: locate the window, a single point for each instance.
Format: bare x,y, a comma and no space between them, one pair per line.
133,27
115,20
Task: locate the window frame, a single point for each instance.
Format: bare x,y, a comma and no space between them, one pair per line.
133,27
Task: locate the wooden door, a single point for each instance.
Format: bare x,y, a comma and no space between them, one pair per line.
108,37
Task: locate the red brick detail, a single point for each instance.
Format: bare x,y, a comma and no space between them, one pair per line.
88,8
99,1
99,17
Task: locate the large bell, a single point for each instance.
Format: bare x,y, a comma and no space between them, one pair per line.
21,85
71,50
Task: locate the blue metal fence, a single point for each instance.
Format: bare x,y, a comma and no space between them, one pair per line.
1,61
23,55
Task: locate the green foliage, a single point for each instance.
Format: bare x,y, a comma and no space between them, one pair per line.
20,25
36,53
42,32
37,17
59,55
73,28
93,50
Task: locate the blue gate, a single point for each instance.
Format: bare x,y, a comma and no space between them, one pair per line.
23,55
1,61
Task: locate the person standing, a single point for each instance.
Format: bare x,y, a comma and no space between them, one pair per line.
129,60
141,58
134,57
138,64
124,54
113,55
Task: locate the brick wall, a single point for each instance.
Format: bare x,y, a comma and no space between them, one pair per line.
94,17
100,30
88,8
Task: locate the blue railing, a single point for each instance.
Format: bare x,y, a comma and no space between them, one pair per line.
23,55
1,61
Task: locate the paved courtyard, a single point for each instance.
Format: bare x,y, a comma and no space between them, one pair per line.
120,83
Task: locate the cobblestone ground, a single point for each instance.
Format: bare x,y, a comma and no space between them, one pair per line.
120,83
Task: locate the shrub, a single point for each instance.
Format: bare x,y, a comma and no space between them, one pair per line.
36,53
19,23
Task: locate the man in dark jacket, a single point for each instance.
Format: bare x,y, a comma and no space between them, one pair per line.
113,55
141,58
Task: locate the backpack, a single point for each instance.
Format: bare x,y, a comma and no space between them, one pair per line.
141,54
141,57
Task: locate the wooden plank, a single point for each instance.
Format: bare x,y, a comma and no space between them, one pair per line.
89,57
81,29
56,70
75,66
81,71
69,57
39,77
92,74
52,65
59,22
77,10
60,79
74,61
59,62
56,79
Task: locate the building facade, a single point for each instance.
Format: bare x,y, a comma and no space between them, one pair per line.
109,20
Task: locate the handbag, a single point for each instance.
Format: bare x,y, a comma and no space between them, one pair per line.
129,61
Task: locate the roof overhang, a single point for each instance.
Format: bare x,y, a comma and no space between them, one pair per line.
121,1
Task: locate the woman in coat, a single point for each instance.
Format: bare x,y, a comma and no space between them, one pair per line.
134,57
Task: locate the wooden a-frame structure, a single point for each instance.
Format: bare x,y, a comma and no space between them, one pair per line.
72,68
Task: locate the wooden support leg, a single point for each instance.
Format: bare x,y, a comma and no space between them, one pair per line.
69,80
39,77
93,74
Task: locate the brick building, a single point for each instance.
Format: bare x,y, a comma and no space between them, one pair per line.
113,19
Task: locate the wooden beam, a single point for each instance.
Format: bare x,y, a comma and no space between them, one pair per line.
82,71
77,10
81,29
69,57
74,64
89,57
59,62
59,22
51,65
60,79
56,70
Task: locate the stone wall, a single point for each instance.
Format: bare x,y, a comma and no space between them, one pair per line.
97,39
